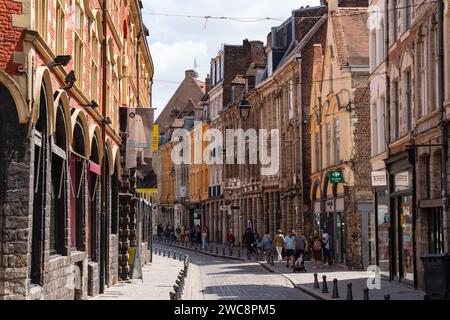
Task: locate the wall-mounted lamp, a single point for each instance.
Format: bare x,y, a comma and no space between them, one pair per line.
62,60
93,104
70,80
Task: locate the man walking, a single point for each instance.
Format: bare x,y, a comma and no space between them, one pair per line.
230,241
300,245
279,243
249,240
289,243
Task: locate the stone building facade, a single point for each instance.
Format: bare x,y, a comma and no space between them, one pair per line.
60,147
410,207
340,135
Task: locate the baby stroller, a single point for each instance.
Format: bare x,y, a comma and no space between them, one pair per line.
299,265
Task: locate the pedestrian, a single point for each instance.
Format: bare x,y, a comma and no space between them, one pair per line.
266,243
230,241
204,235
279,243
289,244
316,244
249,240
326,248
300,245
178,233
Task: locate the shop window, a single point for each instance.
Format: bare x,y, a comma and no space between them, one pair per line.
78,183
383,227
40,190
115,202
58,186
94,187
435,231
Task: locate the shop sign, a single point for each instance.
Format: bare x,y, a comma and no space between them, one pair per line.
336,176
403,181
379,179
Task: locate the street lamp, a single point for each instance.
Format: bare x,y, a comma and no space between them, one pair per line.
244,108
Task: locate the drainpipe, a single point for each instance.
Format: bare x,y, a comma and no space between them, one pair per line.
443,127
104,164
300,130
138,69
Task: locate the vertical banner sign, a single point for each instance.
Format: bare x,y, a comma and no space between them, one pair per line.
139,151
155,138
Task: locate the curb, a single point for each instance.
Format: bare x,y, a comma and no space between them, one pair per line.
296,286
203,252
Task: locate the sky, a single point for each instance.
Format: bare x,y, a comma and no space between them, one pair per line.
176,42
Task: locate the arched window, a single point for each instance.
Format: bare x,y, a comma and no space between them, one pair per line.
78,185
58,208
39,189
94,186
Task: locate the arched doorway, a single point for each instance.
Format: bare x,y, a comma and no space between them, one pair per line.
40,186
59,178
78,180
14,167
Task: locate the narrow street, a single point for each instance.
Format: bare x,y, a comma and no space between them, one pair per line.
209,278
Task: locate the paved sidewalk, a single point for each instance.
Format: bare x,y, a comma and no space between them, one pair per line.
305,282
159,278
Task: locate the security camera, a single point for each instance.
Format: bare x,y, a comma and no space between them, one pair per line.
298,57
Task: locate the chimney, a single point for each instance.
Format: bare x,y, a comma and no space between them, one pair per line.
191,73
207,83
333,5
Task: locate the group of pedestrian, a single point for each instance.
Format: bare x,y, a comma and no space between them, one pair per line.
195,235
295,247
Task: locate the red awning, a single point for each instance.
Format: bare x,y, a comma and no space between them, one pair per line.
95,168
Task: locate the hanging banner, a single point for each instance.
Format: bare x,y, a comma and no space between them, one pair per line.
139,151
155,138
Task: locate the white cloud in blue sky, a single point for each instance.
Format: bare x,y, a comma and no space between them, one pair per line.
176,42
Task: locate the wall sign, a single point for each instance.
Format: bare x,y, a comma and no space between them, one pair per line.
379,179
336,176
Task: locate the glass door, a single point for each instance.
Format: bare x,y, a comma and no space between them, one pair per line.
405,231
340,241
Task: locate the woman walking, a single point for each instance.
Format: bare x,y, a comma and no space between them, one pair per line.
279,243
316,244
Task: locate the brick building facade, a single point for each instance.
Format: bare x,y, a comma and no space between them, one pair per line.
60,151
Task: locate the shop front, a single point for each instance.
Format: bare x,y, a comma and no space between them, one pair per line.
402,221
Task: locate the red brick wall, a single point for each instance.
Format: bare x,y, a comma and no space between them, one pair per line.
10,37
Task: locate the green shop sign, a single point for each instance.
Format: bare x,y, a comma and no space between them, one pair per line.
336,176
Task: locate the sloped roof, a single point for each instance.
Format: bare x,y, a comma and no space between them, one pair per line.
351,36
189,89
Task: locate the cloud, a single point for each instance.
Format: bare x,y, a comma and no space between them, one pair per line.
175,42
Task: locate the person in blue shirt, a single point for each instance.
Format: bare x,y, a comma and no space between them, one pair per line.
289,245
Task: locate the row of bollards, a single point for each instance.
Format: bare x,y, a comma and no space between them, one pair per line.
178,287
335,292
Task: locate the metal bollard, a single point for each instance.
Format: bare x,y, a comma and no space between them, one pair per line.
180,256
223,251
324,286
366,294
156,250
387,297
210,249
172,295
164,253
239,252
174,255
335,294
159,251
316,282
168,254
349,291
217,250
177,291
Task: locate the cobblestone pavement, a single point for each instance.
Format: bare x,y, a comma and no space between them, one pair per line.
305,281
159,278
216,278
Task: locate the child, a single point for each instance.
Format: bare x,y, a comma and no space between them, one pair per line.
299,265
